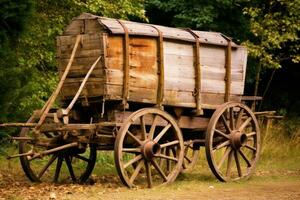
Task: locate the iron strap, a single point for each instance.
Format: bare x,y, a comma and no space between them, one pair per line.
125,63
160,61
197,92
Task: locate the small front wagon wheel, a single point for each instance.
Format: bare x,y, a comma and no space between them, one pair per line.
71,164
232,142
149,149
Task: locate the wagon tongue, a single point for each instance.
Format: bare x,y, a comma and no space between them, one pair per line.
18,125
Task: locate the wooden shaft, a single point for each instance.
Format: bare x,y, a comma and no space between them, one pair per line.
82,86
126,64
38,155
228,71
161,70
19,155
60,84
18,125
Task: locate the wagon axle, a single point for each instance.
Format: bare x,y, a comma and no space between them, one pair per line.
150,149
238,139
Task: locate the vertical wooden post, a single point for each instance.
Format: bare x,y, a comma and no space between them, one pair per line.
161,70
197,65
126,64
228,70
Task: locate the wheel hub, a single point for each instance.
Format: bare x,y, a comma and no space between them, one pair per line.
238,139
150,149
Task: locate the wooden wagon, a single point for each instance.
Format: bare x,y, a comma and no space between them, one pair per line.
152,94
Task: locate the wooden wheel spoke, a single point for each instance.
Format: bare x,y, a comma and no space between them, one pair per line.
143,127
174,152
70,167
168,161
223,144
162,133
188,159
238,165
160,171
131,150
245,158
221,133
153,127
231,118
169,144
251,134
163,151
225,155
244,124
58,168
184,165
137,140
228,129
229,163
52,159
134,160
82,158
136,171
167,157
239,118
148,172
250,147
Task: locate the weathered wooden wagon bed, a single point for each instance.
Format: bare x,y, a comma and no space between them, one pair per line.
154,63
153,94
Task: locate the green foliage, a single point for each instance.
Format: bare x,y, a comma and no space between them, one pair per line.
28,71
123,9
215,15
275,26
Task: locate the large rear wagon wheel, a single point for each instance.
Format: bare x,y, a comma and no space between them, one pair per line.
149,155
232,142
69,165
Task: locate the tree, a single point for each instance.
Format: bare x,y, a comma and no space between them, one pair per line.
275,26
225,16
28,71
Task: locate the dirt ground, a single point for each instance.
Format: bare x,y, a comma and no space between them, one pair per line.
196,185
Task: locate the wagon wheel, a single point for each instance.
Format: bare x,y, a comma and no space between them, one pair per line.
232,142
149,155
70,164
191,155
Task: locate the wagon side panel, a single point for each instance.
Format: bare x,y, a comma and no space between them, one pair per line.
180,74
143,78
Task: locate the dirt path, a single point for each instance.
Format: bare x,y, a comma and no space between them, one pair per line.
283,185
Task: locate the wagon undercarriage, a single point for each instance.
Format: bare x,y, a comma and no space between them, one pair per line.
153,140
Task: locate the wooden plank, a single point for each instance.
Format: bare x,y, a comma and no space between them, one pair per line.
92,89
135,28
82,53
183,122
137,94
75,27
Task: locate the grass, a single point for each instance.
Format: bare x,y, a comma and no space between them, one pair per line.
280,150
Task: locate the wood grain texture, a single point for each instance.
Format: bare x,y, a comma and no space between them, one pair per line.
104,36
